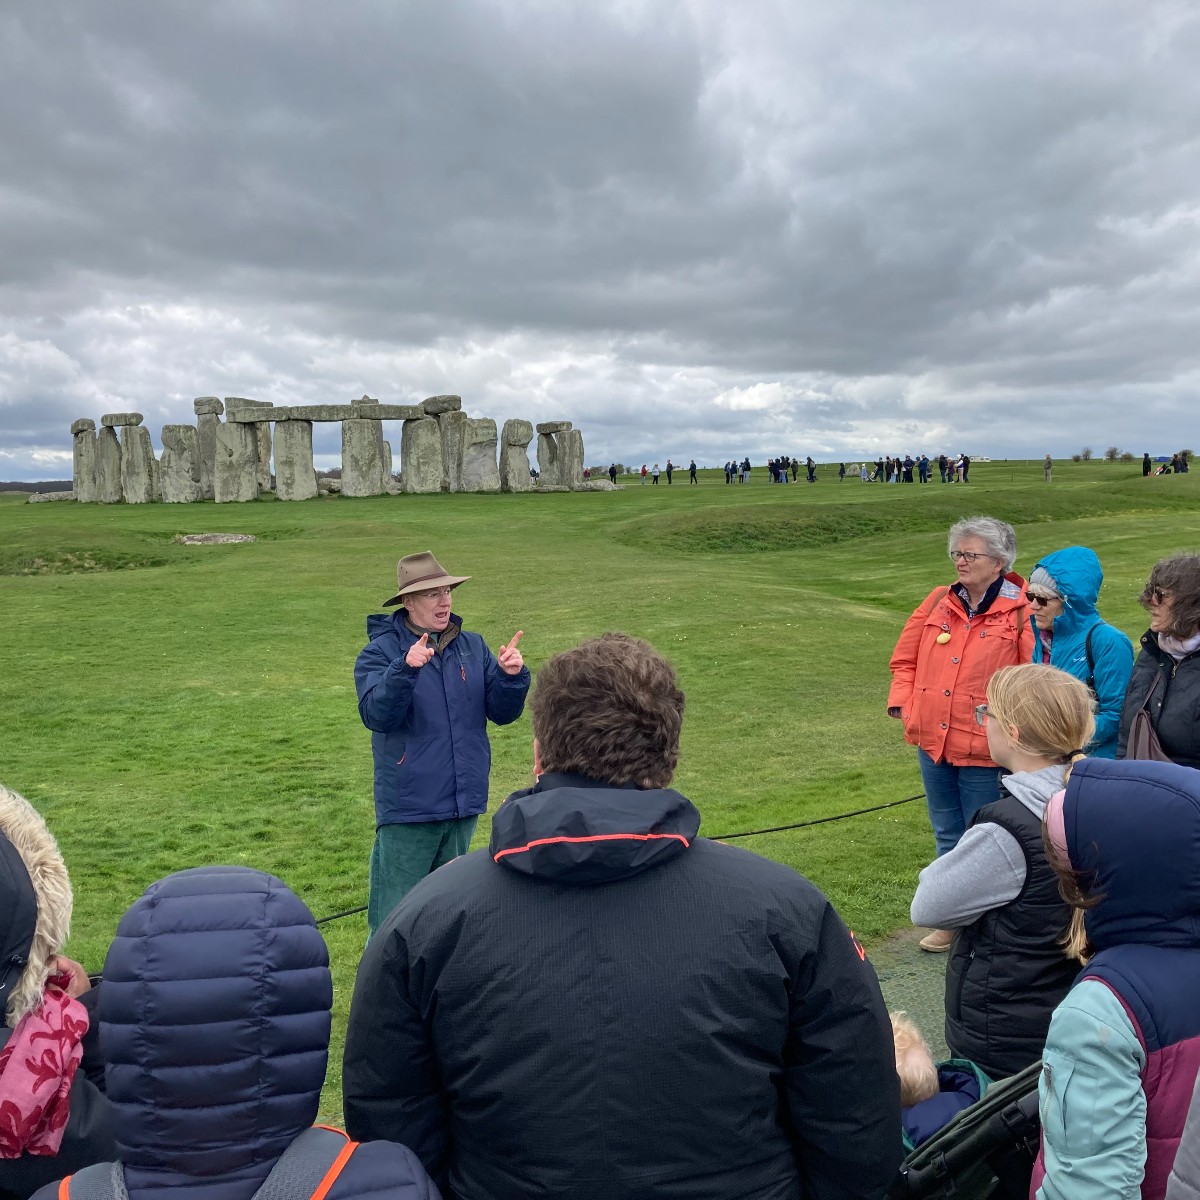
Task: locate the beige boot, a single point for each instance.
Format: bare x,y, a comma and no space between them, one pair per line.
937,942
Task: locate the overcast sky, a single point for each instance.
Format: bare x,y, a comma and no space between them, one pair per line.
703,228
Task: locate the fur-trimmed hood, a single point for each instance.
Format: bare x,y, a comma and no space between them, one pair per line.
22,825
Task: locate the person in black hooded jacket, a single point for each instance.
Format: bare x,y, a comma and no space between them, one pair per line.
604,1004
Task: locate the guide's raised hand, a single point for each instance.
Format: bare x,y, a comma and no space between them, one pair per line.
420,652
509,658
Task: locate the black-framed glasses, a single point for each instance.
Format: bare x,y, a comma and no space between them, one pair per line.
981,714
967,556
1034,598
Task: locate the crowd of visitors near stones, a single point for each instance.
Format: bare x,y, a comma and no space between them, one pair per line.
603,1003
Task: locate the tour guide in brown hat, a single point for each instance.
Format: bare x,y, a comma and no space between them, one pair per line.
427,689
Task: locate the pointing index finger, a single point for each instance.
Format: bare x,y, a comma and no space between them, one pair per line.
516,638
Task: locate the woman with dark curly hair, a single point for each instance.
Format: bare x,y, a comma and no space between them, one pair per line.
1166,676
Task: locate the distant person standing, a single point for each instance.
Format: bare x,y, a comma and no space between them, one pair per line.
795,469
1048,468
670,471
841,472
612,473
427,689
942,463
692,472
746,469
811,467
654,476
966,468
1147,465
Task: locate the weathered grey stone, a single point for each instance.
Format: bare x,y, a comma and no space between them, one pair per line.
452,425
213,539
329,487
180,464
547,457
155,478
364,399
421,456
210,405
516,433
46,497
262,437
295,478
83,462
206,437
479,470
83,425
387,461
117,420
570,458
362,458
388,412
108,466
253,414
436,405
599,485
554,427
235,469
137,474
514,456
246,402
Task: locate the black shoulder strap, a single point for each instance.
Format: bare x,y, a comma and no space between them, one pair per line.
315,1158
1087,649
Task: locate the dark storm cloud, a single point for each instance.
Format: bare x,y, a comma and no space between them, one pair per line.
754,224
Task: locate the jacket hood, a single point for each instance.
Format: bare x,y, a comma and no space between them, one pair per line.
35,905
1133,830
1034,788
1077,576
571,829
214,1024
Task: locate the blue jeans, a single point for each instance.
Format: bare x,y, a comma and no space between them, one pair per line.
954,795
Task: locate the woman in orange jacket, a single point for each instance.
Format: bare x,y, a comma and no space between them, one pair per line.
952,645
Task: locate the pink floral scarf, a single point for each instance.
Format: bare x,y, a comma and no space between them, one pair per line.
37,1068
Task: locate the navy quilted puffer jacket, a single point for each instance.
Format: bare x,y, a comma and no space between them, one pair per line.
215,1018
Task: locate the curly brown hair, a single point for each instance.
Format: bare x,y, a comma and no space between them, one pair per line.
609,709
1179,578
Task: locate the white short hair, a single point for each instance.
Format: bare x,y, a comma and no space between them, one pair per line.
998,536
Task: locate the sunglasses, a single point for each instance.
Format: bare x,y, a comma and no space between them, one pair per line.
1154,595
1035,598
981,714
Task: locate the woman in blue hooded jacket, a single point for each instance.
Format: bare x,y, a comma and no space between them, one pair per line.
1070,634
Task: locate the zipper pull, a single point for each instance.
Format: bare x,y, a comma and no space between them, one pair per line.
463,672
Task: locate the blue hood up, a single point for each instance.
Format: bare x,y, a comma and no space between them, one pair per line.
1077,575
214,1021
1133,831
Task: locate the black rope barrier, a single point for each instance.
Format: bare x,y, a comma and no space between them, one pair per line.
725,837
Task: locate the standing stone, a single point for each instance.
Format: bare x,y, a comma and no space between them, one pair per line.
436,405
295,478
421,456
180,464
452,425
570,458
479,471
387,463
235,471
137,473
83,460
514,456
262,437
155,478
108,466
362,458
547,454
208,409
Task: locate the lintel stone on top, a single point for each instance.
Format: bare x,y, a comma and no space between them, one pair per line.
83,425
325,412
554,427
203,405
436,405
117,420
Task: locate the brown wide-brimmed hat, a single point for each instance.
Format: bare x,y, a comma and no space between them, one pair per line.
420,572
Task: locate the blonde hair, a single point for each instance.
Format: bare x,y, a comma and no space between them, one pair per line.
1054,713
914,1063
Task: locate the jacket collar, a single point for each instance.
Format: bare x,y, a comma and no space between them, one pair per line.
571,829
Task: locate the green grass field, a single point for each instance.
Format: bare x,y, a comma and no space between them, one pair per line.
167,706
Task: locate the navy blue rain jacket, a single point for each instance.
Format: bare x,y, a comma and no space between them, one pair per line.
1077,573
214,1019
429,724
